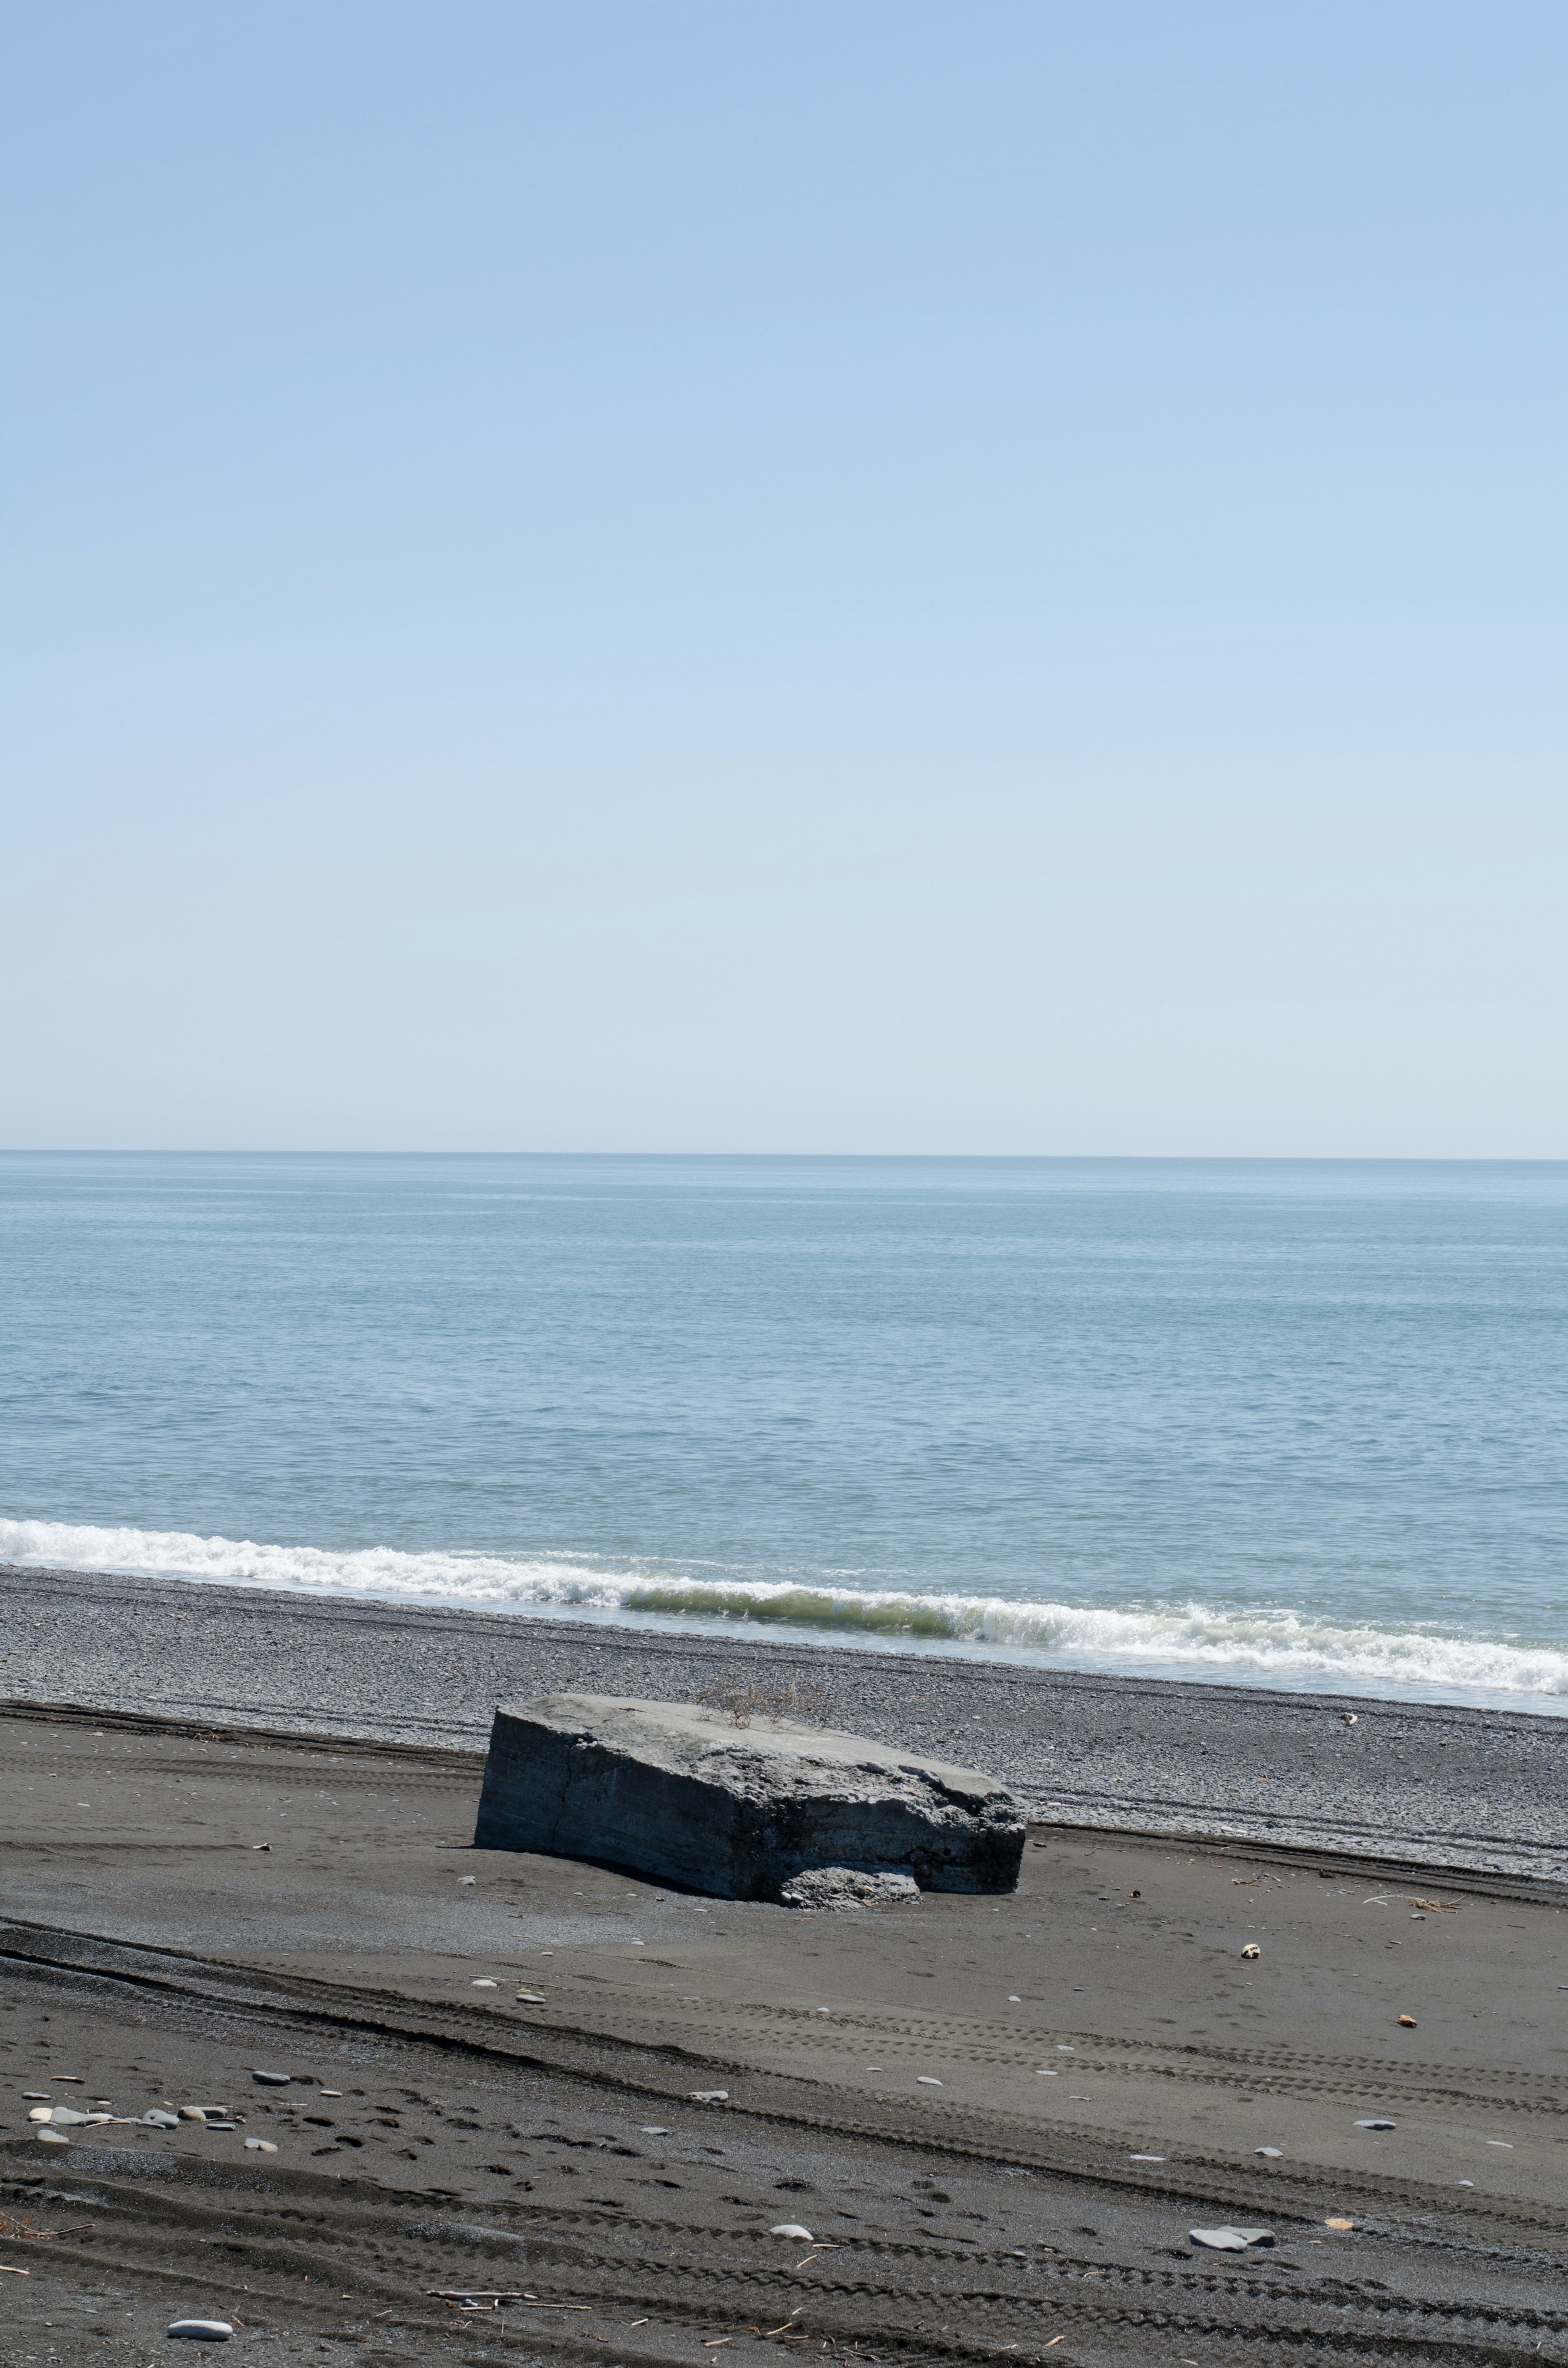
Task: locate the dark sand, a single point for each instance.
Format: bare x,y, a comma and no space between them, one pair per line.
555,2151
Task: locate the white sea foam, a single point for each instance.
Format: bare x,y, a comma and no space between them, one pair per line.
1236,1642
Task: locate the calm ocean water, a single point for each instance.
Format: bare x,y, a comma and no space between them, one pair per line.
1304,1424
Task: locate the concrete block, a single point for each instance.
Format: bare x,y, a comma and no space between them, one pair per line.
682,1794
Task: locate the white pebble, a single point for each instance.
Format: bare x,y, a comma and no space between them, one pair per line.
53,2138
202,2331
260,2145
1270,2154
794,2229
927,2080
484,1982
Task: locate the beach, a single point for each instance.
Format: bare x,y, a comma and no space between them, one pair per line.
1442,1784
248,1845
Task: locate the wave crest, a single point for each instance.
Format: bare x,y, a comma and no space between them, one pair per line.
1281,1646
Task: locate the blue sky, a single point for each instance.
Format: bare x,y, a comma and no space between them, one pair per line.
814,577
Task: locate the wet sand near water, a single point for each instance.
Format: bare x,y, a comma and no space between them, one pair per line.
1108,2061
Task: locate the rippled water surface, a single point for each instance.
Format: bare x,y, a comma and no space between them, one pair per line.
1300,1423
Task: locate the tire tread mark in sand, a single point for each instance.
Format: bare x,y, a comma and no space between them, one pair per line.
949,2131
838,2307
1272,2080
601,2271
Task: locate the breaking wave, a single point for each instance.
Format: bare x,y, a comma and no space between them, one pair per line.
1240,1643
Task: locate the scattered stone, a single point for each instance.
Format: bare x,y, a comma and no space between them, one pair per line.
256,1846
1377,2125
927,2080
193,2114
1349,1716
67,2117
531,1997
1230,2240
41,2113
1507,2144
794,2229
53,2138
1270,2154
671,1791
1145,2158
162,2121
847,1886
272,2079
35,2096
202,2331
484,1982
1341,2224
260,2145
1252,1950
653,2130
1408,2022
711,2096
467,1878
1014,2001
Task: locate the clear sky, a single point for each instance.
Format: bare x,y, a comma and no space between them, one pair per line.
856,575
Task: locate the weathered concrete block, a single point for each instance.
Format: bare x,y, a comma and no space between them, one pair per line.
682,1794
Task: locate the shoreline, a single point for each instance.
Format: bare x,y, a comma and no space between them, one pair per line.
1434,1784
1474,1668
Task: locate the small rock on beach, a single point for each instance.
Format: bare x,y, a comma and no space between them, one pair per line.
834,1887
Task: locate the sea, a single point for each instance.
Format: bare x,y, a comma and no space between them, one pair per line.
1297,1424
